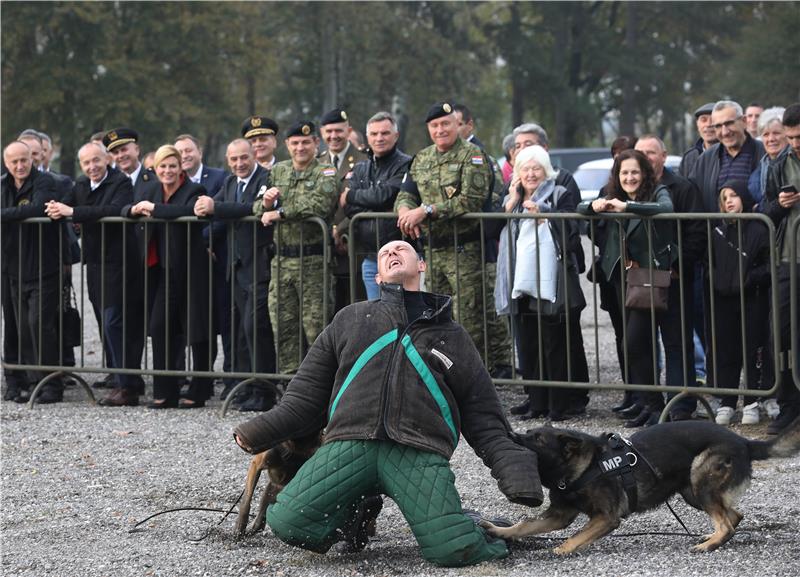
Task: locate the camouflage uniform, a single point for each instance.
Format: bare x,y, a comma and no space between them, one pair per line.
306,193
455,182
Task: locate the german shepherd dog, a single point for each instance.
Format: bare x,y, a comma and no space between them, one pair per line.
281,464
709,465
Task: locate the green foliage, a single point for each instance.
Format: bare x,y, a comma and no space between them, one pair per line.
73,68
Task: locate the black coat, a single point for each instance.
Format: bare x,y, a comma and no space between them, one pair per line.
178,251
686,199
29,202
373,187
706,172
241,235
121,263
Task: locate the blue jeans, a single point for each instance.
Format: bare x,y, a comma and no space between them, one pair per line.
369,268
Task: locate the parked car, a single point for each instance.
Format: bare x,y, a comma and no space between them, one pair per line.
571,158
593,175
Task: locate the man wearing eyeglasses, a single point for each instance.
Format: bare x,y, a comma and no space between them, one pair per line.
734,157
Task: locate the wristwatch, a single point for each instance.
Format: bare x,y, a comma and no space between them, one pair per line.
428,210
282,212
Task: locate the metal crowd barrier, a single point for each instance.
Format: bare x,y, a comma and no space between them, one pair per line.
86,366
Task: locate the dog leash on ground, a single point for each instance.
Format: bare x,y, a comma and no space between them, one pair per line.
135,528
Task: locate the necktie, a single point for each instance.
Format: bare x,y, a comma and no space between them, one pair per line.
239,191
336,161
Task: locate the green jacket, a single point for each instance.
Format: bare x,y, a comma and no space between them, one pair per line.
372,374
305,193
455,182
635,233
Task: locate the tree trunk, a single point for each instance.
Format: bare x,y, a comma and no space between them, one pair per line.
627,118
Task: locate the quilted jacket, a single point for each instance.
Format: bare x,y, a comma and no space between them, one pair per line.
372,374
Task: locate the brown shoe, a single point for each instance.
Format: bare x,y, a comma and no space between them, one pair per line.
120,398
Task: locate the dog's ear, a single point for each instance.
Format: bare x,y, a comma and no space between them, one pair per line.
569,443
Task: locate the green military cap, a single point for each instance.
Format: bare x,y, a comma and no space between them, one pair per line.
333,116
438,110
118,137
258,125
301,128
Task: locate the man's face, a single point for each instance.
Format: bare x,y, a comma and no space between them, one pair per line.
751,115
524,140
398,262
94,162
443,132
126,157
792,134
302,149
336,136
651,148
36,150
381,137
47,152
241,159
729,128
706,129
264,146
464,128
191,155
18,160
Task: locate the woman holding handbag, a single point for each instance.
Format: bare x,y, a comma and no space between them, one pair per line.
544,287
636,258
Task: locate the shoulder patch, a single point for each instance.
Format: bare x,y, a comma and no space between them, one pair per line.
477,159
329,171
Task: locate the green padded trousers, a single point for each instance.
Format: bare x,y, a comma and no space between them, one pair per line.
320,501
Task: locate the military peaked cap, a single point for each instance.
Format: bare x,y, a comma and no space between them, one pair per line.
118,137
258,125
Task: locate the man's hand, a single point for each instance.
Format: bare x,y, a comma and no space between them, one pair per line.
56,210
269,217
409,220
270,197
204,206
788,199
143,208
343,197
241,443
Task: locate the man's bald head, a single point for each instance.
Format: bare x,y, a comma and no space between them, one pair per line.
398,263
18,159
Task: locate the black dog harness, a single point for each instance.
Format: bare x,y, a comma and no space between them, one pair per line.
618,459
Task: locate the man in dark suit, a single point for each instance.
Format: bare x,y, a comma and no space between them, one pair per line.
249,255
111,269
214,234
31,261
342,155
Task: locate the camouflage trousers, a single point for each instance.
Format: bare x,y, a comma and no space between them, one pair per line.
459,273
287,290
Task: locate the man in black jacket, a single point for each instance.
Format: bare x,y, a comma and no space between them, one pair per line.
708,138
31,259
114,279
678,339
249,255
372,186
398,382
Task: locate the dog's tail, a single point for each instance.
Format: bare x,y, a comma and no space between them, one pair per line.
787,444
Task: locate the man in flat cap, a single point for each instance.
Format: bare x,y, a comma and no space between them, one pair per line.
708,137
446,180
336,131
262,132
300,188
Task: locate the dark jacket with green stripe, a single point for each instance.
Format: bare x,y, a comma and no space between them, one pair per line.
374,375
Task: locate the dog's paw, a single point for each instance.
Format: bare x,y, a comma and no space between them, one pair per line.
493,529
705,547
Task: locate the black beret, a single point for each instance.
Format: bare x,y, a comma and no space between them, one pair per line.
438,110
707,108
301,128
332,117
118,137
258,125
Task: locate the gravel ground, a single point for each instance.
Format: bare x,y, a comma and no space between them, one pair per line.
76,478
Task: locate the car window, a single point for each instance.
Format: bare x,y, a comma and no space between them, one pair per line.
591,178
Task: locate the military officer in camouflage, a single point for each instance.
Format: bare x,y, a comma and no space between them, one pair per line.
446,180
301,188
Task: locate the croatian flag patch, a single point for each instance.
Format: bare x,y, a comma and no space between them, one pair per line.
329,172
477,160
